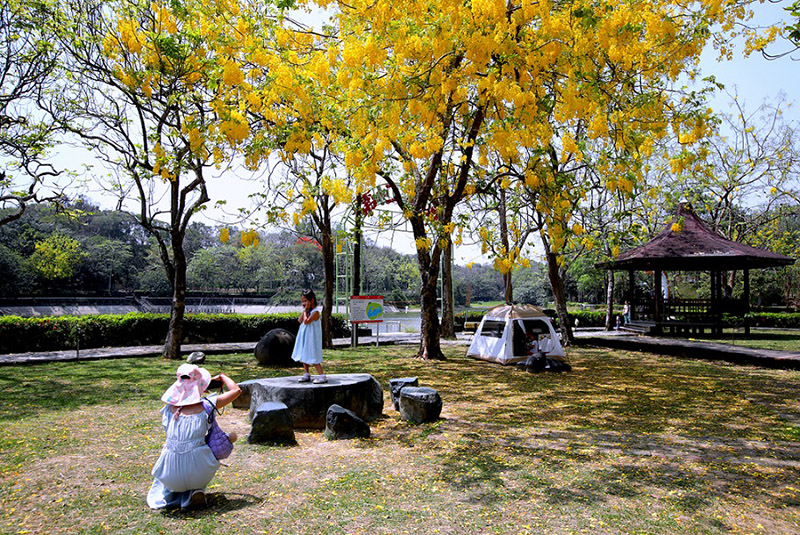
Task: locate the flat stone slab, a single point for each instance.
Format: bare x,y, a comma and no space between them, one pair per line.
308,403
243,401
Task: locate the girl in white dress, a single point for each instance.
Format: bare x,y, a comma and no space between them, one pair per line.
186,464
308,344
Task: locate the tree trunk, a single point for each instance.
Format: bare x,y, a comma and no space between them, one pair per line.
508,290
330,279
430,347
557,284
610,323
731,283
172,344
448,327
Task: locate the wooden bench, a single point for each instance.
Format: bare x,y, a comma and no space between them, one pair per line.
471,326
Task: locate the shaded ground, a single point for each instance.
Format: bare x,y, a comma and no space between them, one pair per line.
626,443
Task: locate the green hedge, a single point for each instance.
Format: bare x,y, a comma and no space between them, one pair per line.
586,318
467,315
19,335
774,319
597,318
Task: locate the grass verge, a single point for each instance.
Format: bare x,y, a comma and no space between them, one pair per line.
626,443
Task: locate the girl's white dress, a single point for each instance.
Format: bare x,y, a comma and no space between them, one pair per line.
308,343
186,464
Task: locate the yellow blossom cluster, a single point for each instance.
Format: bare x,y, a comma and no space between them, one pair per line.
249,238
337,189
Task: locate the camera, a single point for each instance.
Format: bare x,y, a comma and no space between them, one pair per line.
215,384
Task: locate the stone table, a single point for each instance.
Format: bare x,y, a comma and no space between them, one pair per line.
308,403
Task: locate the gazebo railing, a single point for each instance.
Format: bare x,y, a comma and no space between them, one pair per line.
688,308
683,310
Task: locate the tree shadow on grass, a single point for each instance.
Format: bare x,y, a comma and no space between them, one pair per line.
583,467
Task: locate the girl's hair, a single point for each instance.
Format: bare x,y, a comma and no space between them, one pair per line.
310,296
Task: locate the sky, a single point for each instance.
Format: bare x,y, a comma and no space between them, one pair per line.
753,80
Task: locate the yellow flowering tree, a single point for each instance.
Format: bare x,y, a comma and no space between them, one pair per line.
145,86
581,96
416,93
57,256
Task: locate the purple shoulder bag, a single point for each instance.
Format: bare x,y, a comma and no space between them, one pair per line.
217,439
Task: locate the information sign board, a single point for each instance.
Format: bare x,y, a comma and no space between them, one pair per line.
366,308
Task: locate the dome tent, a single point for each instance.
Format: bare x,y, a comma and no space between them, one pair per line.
512,333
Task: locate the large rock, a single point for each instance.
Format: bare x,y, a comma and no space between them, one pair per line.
308,403
275,348
341,423
396,385
420,404
272,423
196,357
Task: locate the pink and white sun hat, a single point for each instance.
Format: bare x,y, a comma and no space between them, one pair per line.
188,389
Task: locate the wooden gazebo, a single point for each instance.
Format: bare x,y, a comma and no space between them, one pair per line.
687,244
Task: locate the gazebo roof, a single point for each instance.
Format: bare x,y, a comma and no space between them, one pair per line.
694,247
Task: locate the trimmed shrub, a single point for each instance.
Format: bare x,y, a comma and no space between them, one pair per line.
588,318
19,335
461,318
774,319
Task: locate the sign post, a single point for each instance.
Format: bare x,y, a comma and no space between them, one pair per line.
366,309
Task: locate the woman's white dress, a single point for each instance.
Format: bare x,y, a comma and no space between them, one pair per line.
308,343
186,463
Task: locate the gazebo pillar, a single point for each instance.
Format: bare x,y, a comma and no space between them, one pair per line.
713,290
659,304
746,296
632,290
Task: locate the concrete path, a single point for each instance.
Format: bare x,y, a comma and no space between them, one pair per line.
209,349
590,337
695,349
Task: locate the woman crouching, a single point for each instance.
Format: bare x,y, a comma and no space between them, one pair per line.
186,464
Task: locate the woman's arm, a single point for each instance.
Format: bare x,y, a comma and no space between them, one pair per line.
232,393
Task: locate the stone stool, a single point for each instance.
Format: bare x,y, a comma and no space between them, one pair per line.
272,423
341,423
396,385
419,404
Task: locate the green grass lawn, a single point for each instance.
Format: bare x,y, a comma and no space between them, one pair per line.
777,339
625,443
